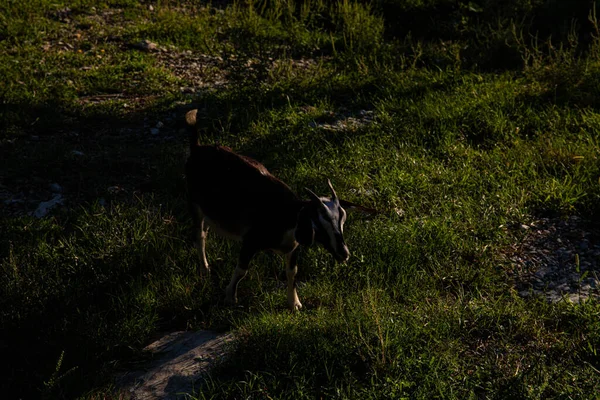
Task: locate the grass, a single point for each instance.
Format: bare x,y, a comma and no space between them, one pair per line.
480,121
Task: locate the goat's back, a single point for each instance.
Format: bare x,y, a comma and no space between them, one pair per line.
229,187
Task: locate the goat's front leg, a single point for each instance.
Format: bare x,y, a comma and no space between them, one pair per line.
246,255
291,269
200,233
200,243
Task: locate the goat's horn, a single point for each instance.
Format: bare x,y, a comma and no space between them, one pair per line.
333,194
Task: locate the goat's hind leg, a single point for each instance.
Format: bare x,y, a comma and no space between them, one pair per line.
200,234
291,269
246,255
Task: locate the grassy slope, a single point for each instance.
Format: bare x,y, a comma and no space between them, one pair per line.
464,141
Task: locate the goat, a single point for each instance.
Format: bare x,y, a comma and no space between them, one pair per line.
240,199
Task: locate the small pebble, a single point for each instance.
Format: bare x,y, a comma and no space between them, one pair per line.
564,287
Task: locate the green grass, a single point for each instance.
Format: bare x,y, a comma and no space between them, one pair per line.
477,124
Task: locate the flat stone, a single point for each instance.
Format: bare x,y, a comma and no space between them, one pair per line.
179,360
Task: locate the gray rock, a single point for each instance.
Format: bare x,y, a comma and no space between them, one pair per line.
563,287
44,207
146,45
177,361
540,273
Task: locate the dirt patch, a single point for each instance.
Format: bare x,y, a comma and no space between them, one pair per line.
178,361
558,259
198,71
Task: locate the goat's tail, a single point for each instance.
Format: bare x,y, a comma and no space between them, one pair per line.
191,122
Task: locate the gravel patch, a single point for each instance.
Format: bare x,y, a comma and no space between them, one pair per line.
343,121
198,71
558,259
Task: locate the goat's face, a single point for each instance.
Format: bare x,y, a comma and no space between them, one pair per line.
329,228
328,224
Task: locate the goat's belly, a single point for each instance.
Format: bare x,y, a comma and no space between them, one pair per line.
231,230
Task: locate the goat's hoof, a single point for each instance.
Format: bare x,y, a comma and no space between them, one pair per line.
296,306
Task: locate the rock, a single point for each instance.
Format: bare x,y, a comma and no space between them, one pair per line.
178,361
563,287
539,284
577,297
56,188
540,273
77,153
159,124
554,297
44,207
154,131
146,45
586,288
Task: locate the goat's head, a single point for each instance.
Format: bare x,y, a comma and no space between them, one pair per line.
322,221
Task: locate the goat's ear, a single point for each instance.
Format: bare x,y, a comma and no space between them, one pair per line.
349,206
305,233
